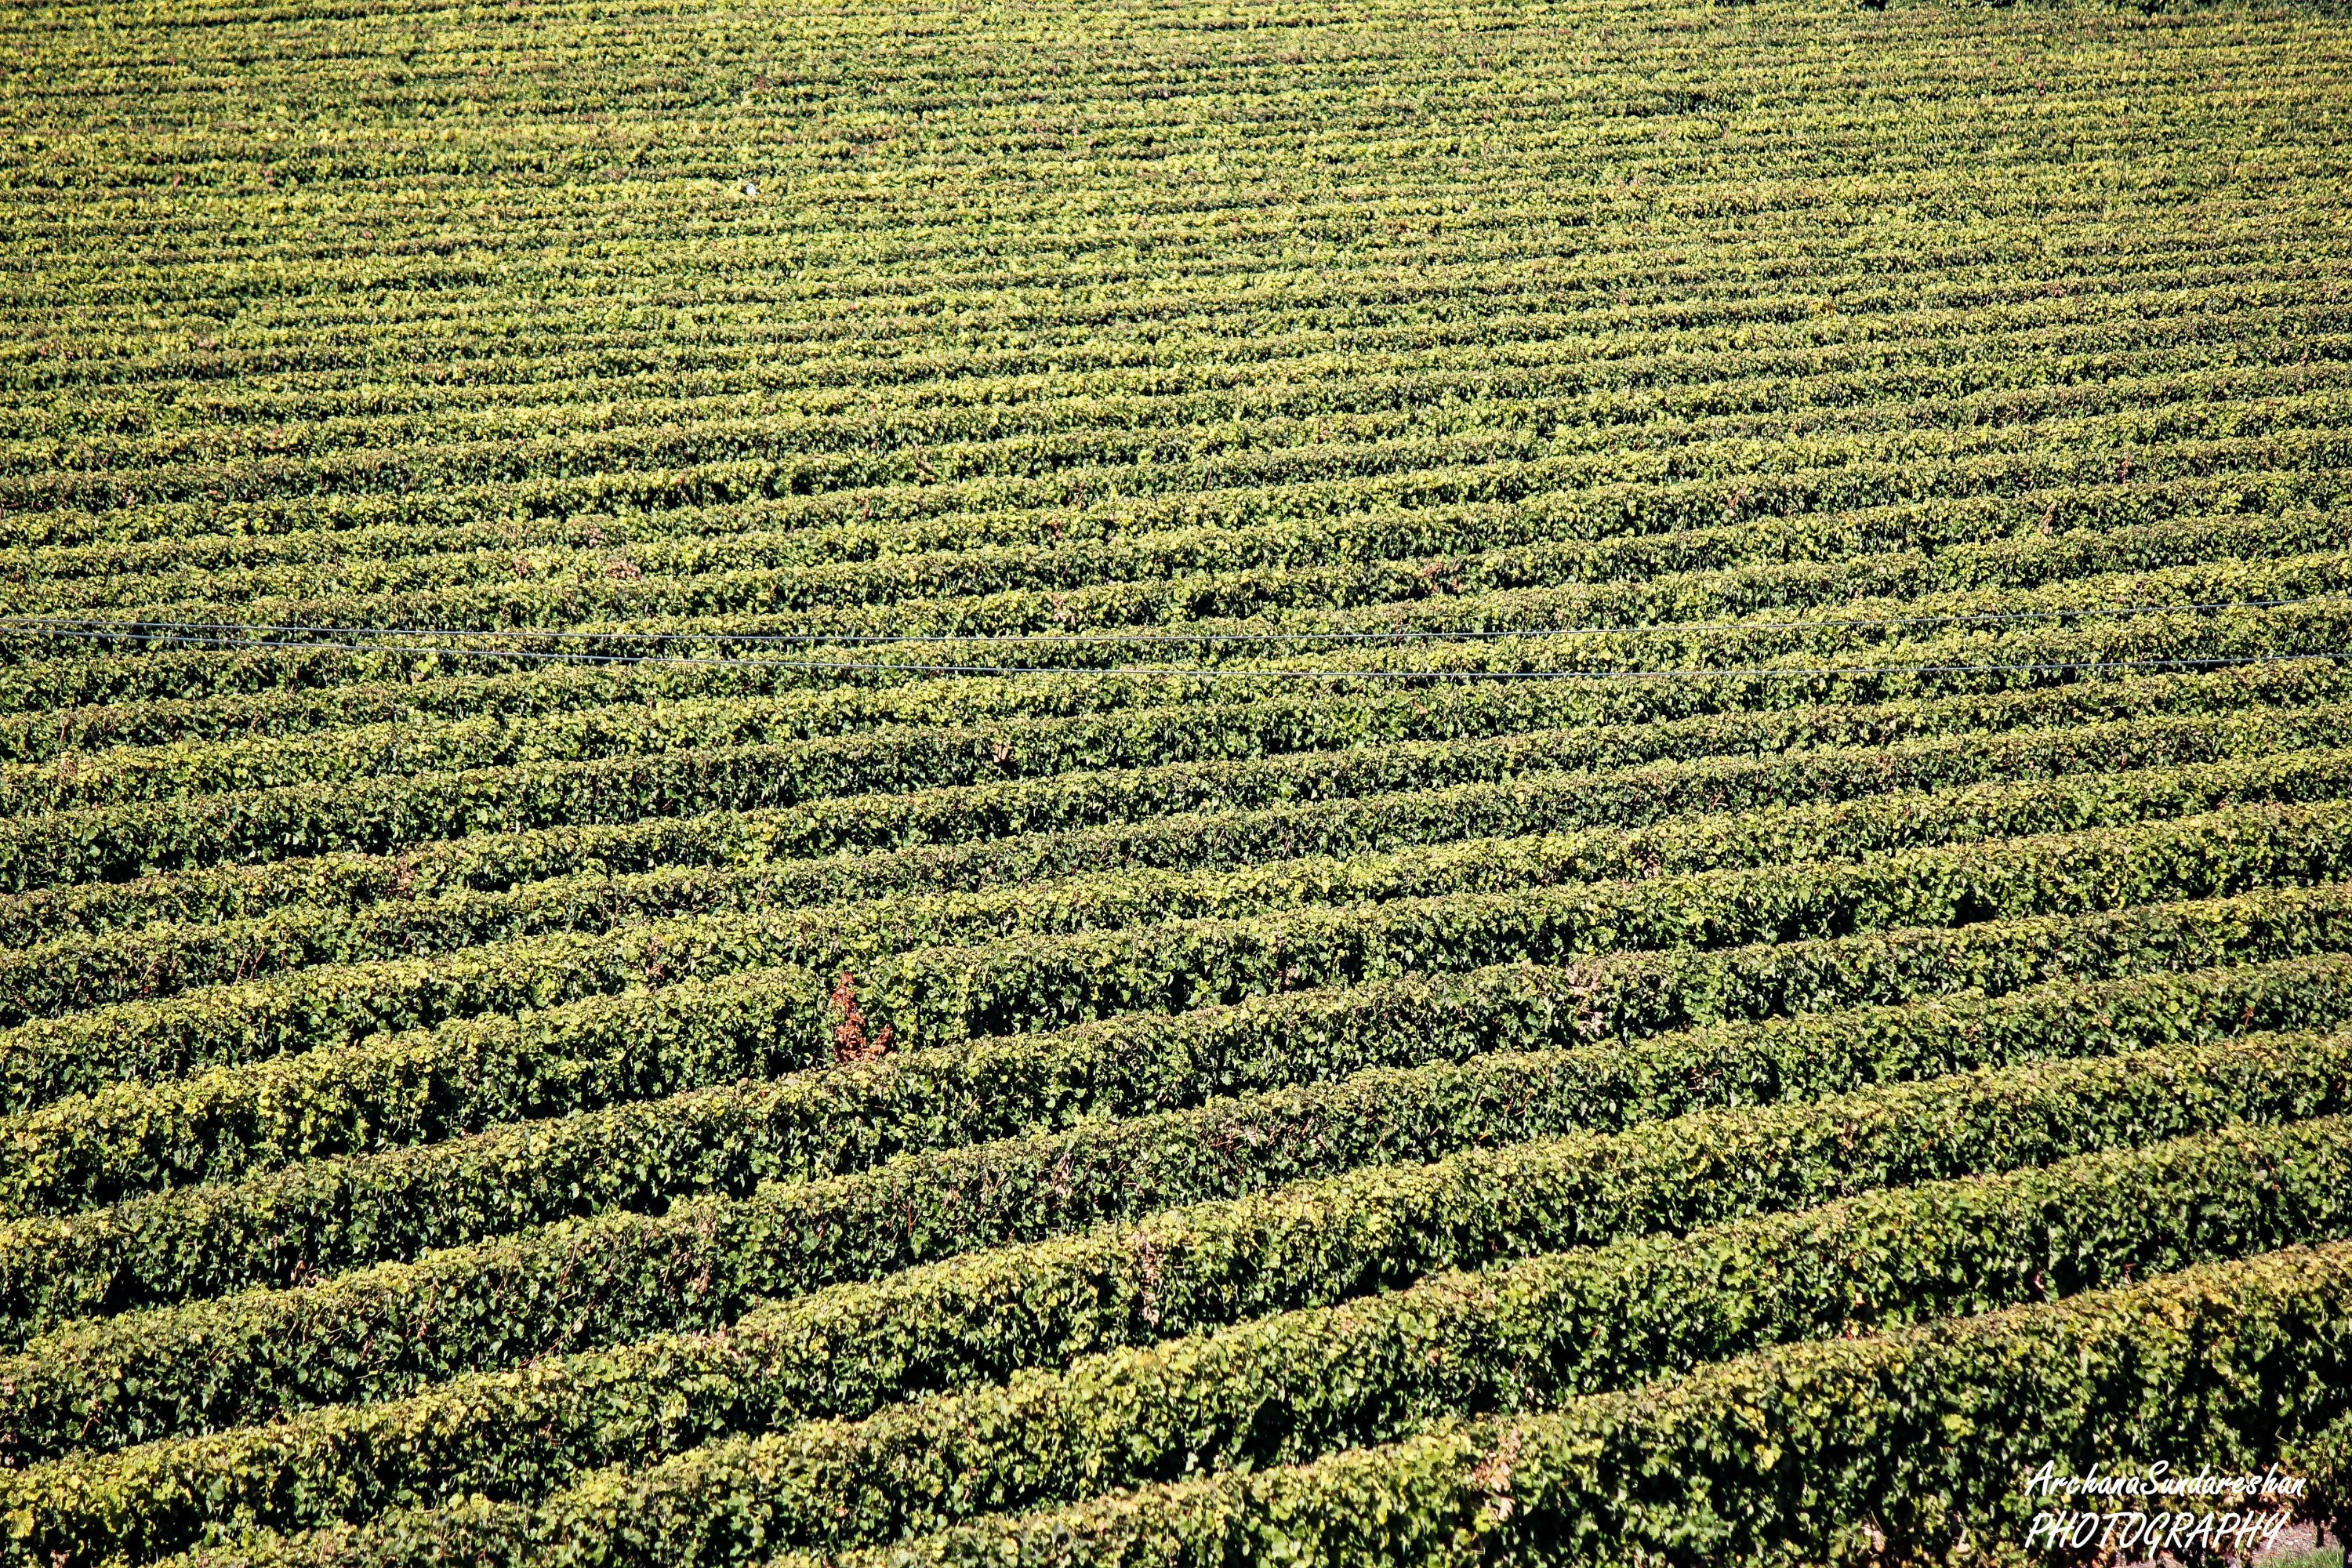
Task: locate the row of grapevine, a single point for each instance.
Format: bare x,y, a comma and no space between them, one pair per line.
1247,785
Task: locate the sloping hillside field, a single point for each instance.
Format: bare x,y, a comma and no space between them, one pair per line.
1168,784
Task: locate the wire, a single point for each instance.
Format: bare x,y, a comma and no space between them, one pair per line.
1249,673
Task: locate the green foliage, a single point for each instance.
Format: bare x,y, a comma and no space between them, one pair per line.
127,774
1518,1338
1339,784
702,1263
327,1213
80,973
649,1039
955,966
112,842
1811,1447
1504,738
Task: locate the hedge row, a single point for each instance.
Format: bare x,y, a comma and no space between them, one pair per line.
2097,767
860,446
1450,509
917,551
2181,304
968,431
1445,511
108,1143
1624,325
1607,504
1026,983
1619,381
1503,732
1898,1446
1608,485
1659,624
1680,612
511,392
1017,983
2177,288
310,1213
1292,564
1885,630
146,698
469,1073
1479,477
1274,1391
1333,562
109,843
1938,391
77,779
1817,400
399,1090
395,1329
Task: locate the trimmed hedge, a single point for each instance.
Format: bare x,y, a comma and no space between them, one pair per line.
111,843
1501,735
79,1151
1942,374
1271,1391
2176,755
333,1215
1040,982
1818,1451
394,1091
2199,305
1017,983
1623,632
756,330
1346,560
393,1329
1991,541
329,1214
184,765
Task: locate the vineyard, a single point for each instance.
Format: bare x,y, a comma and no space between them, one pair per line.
1309,781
